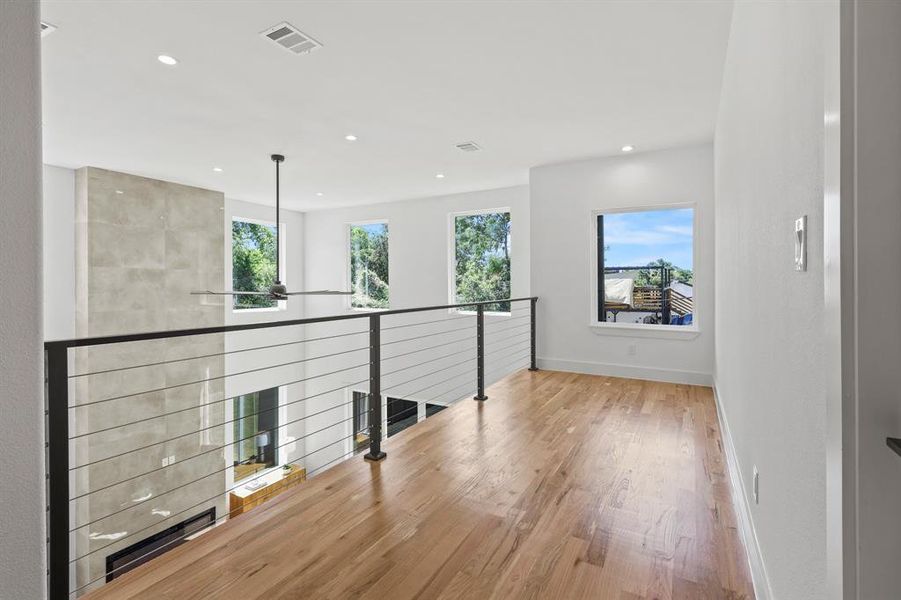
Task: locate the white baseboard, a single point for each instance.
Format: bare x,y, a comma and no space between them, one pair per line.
761,580
627,371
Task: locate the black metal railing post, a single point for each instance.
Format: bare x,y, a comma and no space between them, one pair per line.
480,353
533,364
57,444
375,389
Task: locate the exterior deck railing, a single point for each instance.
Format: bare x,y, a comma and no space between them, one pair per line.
660,299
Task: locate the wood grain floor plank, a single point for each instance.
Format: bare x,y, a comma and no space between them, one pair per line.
561,485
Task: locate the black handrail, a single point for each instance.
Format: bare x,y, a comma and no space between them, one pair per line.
159,335
57,401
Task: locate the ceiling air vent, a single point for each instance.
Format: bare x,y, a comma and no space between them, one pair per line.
291,38
47,28
469,147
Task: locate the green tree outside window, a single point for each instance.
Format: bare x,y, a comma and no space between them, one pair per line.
253,263
369,265
482,253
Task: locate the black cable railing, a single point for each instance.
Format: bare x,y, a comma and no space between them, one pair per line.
137,448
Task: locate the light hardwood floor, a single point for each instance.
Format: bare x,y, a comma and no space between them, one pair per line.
558,486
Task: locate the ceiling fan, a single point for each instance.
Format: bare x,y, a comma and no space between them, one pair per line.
278,290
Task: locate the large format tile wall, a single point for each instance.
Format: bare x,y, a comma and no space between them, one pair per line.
141,246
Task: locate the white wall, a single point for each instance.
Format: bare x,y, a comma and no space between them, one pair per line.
292,233
418,246
769,317
59,253
418,255
563,197
22,560
876,149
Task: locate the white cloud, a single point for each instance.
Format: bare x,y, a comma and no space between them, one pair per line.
681,230
617,232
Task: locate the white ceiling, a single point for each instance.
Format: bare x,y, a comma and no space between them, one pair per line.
532,82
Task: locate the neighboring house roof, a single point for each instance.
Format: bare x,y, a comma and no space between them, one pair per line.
683,288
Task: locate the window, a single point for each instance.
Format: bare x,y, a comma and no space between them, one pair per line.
253,262
361,420
482,259
645,261
255,423
369,265
433,409
401,414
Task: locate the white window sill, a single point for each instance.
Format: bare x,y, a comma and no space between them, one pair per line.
245,311
670,332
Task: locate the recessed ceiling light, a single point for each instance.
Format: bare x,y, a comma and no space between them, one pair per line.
167,60
439,176
319,193
119,192
350,138
628,148
217,169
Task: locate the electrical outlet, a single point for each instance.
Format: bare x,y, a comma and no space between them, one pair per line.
631,350
172,459
756,485
165,461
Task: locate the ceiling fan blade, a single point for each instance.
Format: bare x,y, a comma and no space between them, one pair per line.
319,293
211,293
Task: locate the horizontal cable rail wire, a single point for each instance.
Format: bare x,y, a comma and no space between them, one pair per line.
426,348
445,320
445,393
506,319
409,398
201,503
217,378
99,460
205,404
492,334
213,524
456,364
224,446
421,337
202,454
507,364
456,387
158,335
493,337
434,398
391,399
225,353
494,351
489,328
444,384
430,386
509,337
425,362
223,470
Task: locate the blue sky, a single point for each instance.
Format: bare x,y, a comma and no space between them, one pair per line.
373,228
637,238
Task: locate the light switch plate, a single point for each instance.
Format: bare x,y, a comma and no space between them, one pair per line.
801,244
